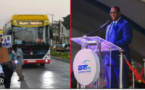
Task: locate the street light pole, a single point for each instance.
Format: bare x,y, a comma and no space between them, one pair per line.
52,25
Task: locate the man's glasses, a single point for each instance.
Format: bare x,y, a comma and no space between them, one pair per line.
113,13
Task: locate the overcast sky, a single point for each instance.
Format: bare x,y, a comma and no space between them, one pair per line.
60,8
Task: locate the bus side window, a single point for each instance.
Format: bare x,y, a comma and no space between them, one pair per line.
51,34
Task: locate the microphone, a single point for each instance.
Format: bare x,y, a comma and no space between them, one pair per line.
102,27
107,23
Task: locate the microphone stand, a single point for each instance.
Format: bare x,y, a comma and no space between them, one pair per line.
102,27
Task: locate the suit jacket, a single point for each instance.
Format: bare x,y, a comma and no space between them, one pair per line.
120,35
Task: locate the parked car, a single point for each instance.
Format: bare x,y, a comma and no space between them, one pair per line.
67,47
58,47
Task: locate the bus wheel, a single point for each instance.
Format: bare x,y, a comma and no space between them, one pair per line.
42,64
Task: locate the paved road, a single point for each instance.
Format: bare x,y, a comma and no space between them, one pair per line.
53,75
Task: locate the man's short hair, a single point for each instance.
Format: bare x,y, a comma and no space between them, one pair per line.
118,9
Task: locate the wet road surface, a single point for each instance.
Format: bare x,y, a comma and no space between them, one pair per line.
54,75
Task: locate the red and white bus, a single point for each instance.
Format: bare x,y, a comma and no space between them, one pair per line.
33,34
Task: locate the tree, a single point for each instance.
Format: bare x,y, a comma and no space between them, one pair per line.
66,22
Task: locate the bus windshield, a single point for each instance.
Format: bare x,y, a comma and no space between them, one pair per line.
28,35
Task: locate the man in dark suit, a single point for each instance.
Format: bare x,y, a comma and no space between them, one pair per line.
119,32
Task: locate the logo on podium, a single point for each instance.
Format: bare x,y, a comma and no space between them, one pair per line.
86,66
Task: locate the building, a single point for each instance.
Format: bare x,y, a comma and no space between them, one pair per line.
64,34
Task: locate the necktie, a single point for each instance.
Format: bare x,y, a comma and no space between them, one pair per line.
113,24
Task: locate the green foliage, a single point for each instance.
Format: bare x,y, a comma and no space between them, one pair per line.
51,46
64,55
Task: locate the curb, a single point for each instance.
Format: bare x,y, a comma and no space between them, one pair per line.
60,59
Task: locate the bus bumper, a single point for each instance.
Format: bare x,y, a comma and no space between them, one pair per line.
29,61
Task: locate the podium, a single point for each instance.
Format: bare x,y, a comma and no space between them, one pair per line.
90,65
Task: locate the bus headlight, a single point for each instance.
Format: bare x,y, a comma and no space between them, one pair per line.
16,61
46,60
46,56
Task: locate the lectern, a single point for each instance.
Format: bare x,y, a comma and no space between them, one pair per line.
90,65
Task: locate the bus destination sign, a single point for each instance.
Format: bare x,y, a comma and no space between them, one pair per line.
30,23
